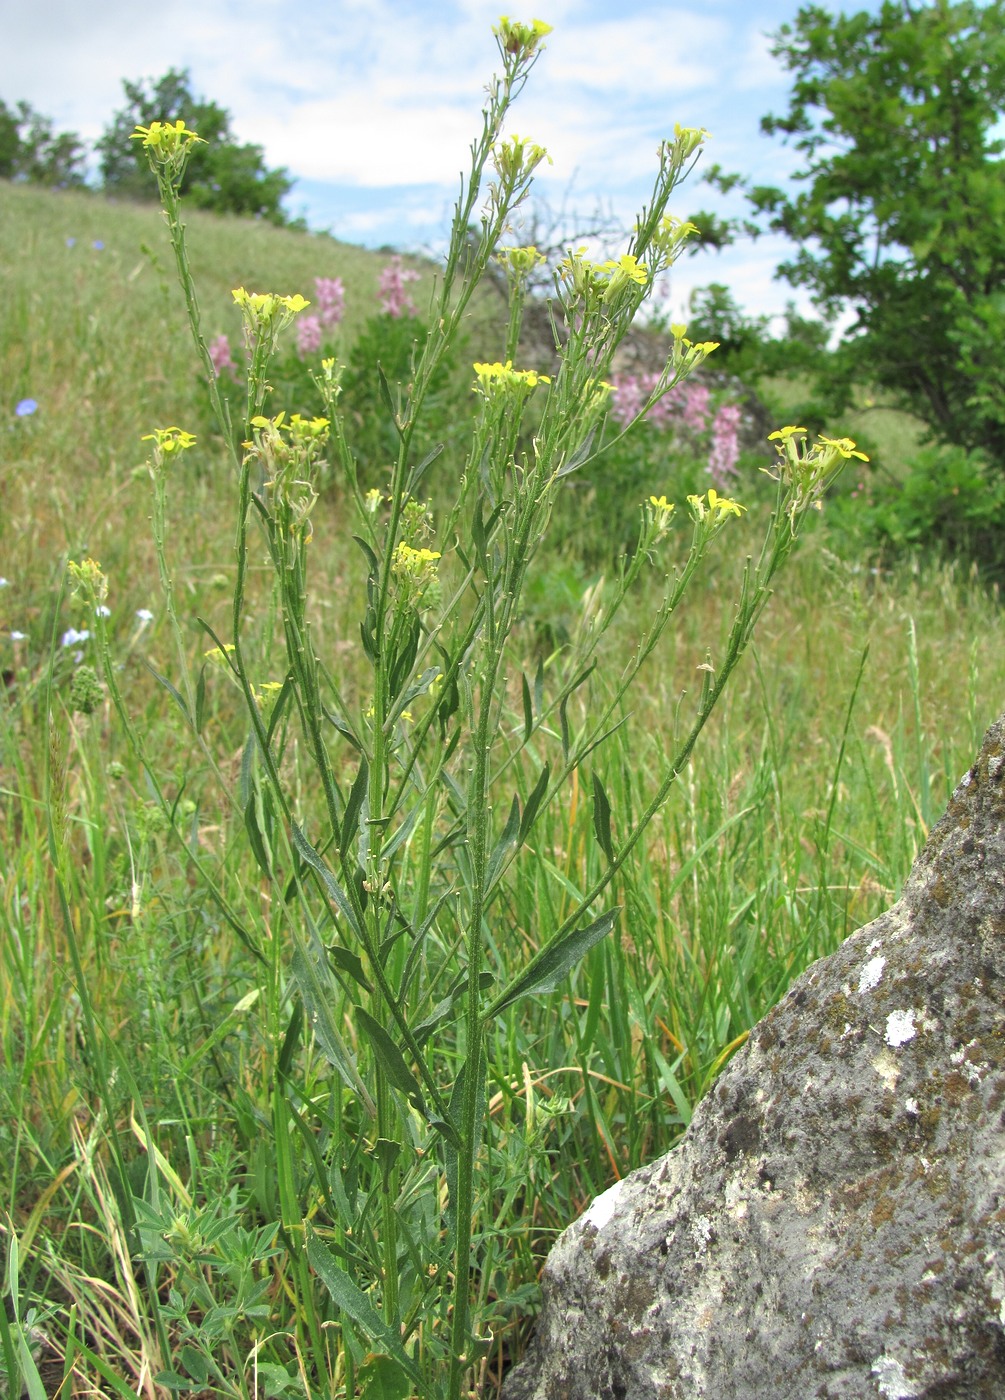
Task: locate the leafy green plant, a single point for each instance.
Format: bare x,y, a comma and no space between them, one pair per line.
393,872
948,502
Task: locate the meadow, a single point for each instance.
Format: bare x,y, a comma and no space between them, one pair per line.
167,1120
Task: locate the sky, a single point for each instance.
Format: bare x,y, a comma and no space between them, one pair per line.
372,105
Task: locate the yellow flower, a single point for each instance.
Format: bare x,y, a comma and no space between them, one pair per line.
520,40
783,434
372,500
169,440
715,508
516,158
662,510
499,380
844,446
165,138
89,580
722,504
519,261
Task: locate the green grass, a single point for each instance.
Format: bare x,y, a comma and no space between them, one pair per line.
147,1040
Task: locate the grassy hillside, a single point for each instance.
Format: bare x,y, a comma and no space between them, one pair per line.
163,1107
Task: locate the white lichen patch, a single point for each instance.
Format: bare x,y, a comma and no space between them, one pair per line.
971,1070
890,1377
870,974
900,1028
887,1068
603,1207
701,1232
911,1107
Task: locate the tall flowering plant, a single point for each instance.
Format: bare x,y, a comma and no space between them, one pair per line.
390,889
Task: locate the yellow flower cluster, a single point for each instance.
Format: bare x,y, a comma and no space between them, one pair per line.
520,40
519,262
671,235
517,158
499,380
713,507
262,307
809,469
169,441
601,282
89,580
302,432
415,568
164,140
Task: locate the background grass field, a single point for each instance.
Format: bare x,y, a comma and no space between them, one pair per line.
133,1023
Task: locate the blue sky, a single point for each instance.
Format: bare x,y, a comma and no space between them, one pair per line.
372,106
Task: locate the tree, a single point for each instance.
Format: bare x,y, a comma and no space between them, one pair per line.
902,218
222,175
31,150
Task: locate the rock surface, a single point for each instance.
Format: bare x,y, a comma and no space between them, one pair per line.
832,1225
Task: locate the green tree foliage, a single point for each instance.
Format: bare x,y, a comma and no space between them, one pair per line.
223,175
902,213
31,150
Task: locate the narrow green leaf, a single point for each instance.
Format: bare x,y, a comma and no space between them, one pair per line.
255,837
578,457
220,646
347,961
532,805
602,818
444,1009
200,700
371,558
418,472
353,1301
528,710
545,971
357,796
319,990
385,394
391,1059
504,845
331,886
175,695
279,708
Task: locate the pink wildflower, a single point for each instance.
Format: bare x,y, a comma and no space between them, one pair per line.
219,353
627,398
393,281
695,406
330,296
308,335
725,444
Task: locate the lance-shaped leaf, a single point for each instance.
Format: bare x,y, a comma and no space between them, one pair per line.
318,991
602,818
357,796
506,842
347,961
547,969
353,1301
332,888
528,709
533,803
392,1062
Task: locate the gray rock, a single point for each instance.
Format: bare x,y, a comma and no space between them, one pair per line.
832,1224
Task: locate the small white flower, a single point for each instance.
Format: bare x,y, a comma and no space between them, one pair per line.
18,636
4,582
144,614
103,611
71,637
